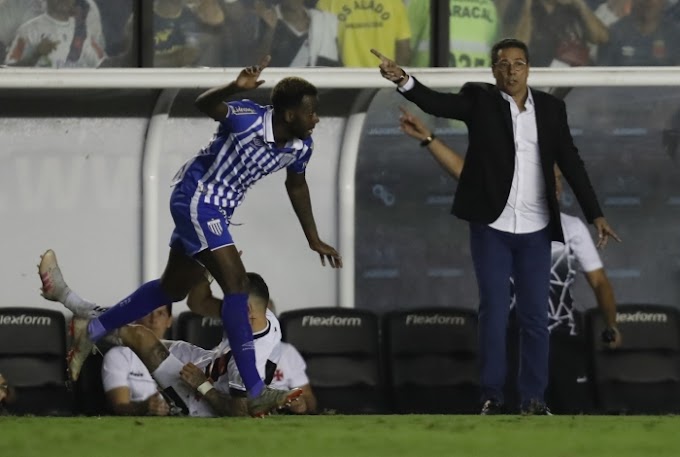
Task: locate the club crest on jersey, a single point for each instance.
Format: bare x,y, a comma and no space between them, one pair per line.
258,142
239,110
215,226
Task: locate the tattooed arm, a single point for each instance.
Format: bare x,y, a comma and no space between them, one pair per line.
221,403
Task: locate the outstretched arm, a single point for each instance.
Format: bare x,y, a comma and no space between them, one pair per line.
596,31
211,102
298,193
442,104
604,294
390,70
525,23
414,127
604,232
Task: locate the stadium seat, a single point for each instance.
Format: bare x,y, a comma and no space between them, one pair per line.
643,375
33,359
431,356
205,332
90,399
569,388
342,351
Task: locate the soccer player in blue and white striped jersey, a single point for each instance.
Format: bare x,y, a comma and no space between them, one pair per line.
251,141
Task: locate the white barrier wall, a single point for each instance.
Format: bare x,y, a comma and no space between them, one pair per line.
71,181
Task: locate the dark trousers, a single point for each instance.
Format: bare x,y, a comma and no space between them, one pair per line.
526,257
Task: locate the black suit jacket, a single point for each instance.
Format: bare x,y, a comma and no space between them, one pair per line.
485,181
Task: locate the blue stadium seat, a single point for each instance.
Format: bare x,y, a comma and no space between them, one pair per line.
33,359
342,350
205,332
643,376
431,356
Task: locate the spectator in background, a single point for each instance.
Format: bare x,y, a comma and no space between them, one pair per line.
609,12
172,22
363,25
58,38
129,387
14,13
296,36
118,29
473,29
7,395
87,15
242,31
208,31
559,31
646,37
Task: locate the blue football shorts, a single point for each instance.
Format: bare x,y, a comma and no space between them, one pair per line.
198,225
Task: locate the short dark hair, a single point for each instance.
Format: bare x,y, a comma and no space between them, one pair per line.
508,43
288,93
257,287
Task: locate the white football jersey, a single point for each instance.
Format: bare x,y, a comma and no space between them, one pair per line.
290,369
122,368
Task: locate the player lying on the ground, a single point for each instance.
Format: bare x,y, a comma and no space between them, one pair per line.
290,369
196,381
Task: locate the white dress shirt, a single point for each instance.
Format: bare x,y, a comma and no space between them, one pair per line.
526,210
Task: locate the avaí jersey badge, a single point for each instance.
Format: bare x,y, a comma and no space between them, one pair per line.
215,226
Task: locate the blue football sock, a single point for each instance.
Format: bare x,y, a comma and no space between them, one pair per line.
142,301
237,327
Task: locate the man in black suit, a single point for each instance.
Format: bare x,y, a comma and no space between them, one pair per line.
507,194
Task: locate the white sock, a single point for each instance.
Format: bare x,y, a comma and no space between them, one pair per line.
80,307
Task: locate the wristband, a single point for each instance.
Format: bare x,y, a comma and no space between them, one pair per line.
204,388
428,140
208,276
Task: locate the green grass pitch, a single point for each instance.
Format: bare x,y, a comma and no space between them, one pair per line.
346,436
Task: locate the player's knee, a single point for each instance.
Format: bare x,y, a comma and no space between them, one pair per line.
174,290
